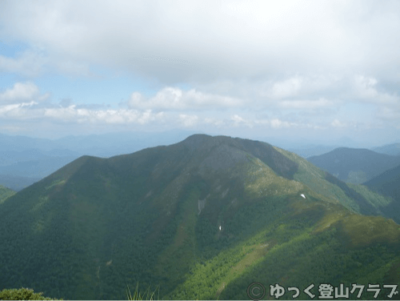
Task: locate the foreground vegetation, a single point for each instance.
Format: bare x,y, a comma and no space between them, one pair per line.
22,294
25,294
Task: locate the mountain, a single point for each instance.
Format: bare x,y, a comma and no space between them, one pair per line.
25,160
200,219
354,165
389,149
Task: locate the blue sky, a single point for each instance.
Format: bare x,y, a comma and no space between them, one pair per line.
316,71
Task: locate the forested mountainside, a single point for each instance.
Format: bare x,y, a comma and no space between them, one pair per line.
200,219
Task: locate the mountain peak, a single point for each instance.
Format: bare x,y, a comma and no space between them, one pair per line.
236,150
196,140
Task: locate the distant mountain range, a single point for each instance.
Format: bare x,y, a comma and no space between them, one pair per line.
355,165
390,149
102,145
25,160
201,219
312,150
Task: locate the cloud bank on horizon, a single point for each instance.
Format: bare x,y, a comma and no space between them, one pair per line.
304,69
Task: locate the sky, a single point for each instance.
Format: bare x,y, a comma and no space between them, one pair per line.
317,71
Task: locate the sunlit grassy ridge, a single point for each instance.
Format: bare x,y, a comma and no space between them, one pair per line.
200,219
315,179
357,198
5,193
375,199
292,251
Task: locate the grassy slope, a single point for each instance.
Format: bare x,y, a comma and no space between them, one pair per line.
357,198
5,193
300,242
98,225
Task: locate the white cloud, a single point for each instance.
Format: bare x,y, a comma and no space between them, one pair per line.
175,99
108,116
298,62
172,42
366,89
240,121
276,124
237,119
21,92
390,115
188,120
28,63
32,63
213,121
305,104
25,102
72,67
18,111
338,124
287,88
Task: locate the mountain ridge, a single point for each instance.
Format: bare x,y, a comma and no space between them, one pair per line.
169,215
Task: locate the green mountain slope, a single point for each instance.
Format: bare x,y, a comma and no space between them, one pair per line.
356,198
355,165
5,193
201,219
